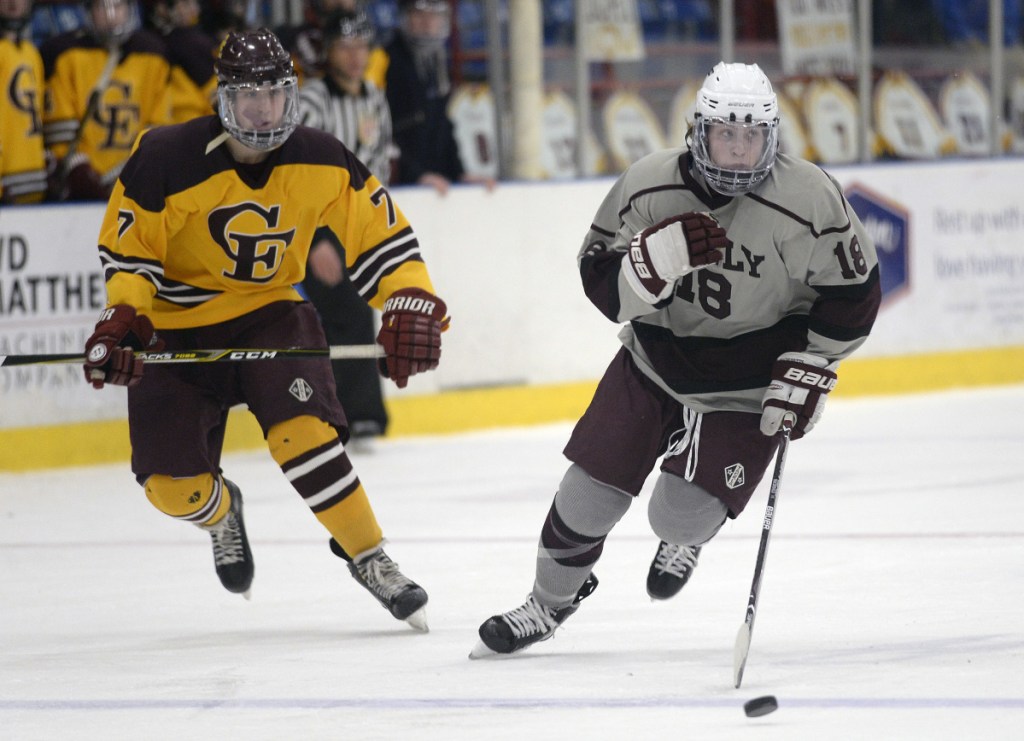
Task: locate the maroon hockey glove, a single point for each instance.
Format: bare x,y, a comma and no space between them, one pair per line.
410,334
662,254
800,382
109,353
85,184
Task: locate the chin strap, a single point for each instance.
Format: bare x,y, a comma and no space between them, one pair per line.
217,141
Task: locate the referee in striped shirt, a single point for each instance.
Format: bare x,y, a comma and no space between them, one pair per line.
356,111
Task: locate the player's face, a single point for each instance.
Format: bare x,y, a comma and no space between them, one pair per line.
184,13
347,58
108,15
14,8
260,109
736,146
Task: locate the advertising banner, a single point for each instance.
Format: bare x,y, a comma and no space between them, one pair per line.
816,37
950,239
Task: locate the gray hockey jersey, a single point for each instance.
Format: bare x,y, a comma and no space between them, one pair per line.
800,274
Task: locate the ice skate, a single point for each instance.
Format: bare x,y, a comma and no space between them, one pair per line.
671,568
379,575
528,624
231,555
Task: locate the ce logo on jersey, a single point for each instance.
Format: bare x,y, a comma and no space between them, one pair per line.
244,232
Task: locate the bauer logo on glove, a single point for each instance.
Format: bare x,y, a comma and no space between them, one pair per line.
812,379
661,254
800,382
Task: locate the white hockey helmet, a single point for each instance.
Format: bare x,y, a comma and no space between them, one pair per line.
741,97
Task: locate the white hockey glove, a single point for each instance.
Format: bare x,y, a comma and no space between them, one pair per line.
662,254
799,384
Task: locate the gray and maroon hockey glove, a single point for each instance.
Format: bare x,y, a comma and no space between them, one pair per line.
110,352
800,382
410,334
662,254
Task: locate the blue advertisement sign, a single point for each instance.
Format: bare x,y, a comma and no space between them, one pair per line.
888,224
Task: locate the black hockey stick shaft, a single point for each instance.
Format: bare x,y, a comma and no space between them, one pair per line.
742,646
334,352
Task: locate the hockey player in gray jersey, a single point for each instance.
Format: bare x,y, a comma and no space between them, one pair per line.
743,277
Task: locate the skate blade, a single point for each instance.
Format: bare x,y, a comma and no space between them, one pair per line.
418,620
482,651
247,594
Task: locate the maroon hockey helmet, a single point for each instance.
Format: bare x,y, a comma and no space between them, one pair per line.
254,69
253,57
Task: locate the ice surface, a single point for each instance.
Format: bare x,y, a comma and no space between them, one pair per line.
891,605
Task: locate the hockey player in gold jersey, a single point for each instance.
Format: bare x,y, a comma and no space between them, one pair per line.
190,52
22,156
205,235
105,84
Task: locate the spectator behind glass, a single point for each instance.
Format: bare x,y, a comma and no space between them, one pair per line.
218,18
22,155
105,84
191,52
355,112
418,90
305,42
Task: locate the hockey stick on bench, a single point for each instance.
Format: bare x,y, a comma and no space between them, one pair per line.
334,352
742,647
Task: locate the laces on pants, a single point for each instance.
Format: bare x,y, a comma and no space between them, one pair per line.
687,438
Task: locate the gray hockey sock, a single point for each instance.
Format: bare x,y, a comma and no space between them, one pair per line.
583,513
684,514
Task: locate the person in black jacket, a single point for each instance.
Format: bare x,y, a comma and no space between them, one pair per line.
418,89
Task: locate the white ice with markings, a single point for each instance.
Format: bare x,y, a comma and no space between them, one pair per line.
891,607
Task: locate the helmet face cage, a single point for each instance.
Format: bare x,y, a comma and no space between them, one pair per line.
735,181
119,24
740,97
234,101
257,90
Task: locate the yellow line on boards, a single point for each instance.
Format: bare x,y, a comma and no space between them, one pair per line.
89,443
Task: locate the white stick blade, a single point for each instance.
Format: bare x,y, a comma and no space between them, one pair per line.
739,653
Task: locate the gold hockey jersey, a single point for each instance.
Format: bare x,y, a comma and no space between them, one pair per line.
192,238
22,155
135,98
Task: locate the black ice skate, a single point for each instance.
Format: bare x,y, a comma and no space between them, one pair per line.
531,622
403,598
231,555
671,568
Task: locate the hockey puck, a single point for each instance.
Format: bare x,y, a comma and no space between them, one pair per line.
760,706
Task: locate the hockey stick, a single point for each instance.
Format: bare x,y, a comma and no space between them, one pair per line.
334,352
742,647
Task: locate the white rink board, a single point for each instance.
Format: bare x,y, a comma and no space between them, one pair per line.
505,262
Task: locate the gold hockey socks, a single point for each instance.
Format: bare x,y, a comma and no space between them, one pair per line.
315,462
201,500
